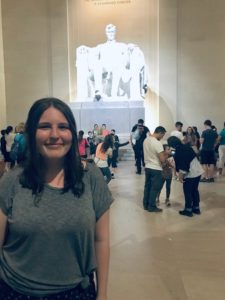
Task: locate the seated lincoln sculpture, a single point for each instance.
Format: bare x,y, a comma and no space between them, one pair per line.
111,70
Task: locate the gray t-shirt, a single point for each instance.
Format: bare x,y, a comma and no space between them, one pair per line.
50,248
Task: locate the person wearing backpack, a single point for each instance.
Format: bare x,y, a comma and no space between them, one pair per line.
3,152
138,135
9,138
17,153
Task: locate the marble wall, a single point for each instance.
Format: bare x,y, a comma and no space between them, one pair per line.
2,80
35,53
191,62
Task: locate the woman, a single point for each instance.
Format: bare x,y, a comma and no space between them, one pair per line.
96,130
195,129
54,215
190,172
82,144
103,151
191,139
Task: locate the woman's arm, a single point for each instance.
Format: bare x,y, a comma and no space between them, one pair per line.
102,254
3,223
109,152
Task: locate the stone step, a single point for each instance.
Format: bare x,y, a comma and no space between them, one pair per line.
126,154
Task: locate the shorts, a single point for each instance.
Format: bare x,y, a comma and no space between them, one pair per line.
207,157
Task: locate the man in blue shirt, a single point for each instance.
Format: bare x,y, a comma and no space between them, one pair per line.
209,139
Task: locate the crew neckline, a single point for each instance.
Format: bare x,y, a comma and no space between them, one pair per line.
54,188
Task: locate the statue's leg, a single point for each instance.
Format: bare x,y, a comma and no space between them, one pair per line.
135,86
82,77
98,82
116,75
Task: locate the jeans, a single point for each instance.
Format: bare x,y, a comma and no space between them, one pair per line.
139,156
106,173
153,184
191,193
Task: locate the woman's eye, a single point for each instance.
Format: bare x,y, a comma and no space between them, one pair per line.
44,126
63,126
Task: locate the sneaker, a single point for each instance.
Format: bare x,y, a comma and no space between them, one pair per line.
186,213
112,176
196,211
167,202
138,172
211,180
155,209
204,180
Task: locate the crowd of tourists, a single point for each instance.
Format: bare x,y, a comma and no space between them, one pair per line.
188,156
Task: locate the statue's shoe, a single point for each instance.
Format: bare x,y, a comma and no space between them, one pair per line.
97,96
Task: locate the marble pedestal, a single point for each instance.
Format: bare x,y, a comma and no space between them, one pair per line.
118,115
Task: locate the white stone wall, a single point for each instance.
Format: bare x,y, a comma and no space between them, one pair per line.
2,80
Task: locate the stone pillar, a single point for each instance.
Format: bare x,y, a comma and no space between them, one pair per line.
2,79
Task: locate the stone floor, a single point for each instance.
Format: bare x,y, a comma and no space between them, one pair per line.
166,256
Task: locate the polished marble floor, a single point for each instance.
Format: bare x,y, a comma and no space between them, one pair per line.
166,256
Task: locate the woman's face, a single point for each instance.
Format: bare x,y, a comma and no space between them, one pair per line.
53,135
189,130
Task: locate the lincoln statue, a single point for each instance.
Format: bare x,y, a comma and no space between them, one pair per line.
111,70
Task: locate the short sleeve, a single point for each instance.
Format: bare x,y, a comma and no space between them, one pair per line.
102,197
7,184
134,128
159,148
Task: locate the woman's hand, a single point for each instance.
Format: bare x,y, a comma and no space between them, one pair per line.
181,177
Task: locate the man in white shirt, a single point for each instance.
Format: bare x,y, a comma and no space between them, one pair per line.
178,131
154,156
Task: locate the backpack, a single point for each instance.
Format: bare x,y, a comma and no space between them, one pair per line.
136,134
18,147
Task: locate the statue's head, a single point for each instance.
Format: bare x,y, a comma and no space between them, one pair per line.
110,31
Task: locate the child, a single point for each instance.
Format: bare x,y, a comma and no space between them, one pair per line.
112,161
167,174
92,143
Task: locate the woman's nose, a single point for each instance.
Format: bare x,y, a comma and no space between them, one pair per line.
54,132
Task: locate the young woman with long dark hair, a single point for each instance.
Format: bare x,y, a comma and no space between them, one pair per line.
54,215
